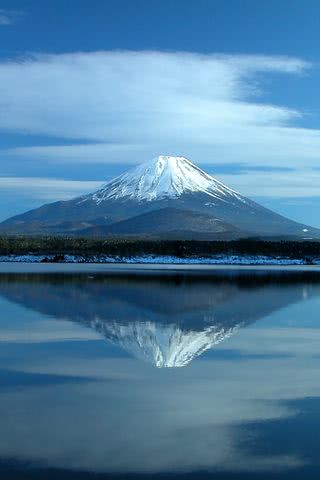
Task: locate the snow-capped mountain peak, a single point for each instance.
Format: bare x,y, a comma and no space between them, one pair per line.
163,177
168,198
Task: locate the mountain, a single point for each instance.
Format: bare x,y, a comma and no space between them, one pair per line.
169,197
165,321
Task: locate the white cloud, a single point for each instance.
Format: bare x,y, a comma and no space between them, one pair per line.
178,101
84,153
304,183
135,105
7,17
47,189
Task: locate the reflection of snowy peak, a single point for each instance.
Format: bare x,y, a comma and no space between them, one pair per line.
165,320
162,345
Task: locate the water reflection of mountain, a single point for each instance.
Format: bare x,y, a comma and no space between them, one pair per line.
167,321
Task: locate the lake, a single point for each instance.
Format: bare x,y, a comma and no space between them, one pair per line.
145,373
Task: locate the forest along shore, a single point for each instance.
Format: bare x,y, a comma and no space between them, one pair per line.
142,250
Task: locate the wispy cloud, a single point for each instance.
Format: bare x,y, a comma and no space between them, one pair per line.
47,189
127,107
295,183
154,99
8,17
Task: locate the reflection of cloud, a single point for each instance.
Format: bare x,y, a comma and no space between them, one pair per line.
19,327
47,335
150,420
131,417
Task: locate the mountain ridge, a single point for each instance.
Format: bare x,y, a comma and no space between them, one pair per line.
169,184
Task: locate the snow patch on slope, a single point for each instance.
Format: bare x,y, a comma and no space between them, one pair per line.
163,177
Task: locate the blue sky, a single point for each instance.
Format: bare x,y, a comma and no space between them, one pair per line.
89,88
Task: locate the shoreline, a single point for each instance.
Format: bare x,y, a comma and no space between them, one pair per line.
141,268
163,260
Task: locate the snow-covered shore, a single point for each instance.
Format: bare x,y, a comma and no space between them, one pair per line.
155,259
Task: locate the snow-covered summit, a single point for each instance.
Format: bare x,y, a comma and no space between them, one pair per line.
163,177
166,198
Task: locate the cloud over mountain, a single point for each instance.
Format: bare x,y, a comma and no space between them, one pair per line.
124,107
152,99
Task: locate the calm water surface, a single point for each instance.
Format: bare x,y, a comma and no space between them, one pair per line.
172,376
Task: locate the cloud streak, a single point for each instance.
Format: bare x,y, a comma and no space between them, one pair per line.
47,189
305,183
127,107
153,99
8,17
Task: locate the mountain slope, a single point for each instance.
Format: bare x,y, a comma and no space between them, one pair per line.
164,183
170,223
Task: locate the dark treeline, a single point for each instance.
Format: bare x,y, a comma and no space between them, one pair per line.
48,245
